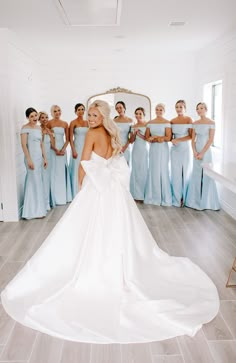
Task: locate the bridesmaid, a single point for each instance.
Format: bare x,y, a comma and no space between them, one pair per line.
158,133
123,122
35,158
139,170
78,130
48,140
60,176
202,192
181,161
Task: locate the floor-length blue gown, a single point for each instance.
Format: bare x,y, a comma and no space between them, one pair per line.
158,189
139,170
181,164
34,197
47,171
79,137
202,192
60,176
124,135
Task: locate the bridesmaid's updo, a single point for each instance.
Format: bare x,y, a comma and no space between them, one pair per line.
41,113
162,105
113,130
140,109
181,101
29,111
122,103
202,104
78,105
53,108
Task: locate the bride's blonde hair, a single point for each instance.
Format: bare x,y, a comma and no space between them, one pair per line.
109,124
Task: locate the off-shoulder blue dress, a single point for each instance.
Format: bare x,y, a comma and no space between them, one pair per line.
202,191
34,196
158,189
60,176
181,164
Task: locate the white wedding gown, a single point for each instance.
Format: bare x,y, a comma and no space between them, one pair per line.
100,277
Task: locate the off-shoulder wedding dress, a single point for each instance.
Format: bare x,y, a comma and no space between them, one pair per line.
100,276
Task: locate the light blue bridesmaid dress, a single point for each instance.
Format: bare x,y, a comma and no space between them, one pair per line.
181,164
60,176
139,170
47,171
34,196
124,134
79,137
202,192
158,189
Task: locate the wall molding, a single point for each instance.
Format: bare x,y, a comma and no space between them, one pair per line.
228,208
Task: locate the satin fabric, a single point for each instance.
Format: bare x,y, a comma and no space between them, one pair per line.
124,128
202,192
100,277
47,171
158,189
34,205
139,168
79,138
181,164
60,176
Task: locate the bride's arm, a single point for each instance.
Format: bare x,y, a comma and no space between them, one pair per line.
86,154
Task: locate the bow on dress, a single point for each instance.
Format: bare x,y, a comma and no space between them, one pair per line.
104,173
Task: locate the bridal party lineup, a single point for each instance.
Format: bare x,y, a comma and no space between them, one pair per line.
165,157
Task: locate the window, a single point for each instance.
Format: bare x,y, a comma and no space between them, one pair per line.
212,95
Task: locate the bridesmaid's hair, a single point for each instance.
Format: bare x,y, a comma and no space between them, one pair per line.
52,109
203,104
122,103
140,109
181,101
41,113
78,105
162,105
29,111
111,127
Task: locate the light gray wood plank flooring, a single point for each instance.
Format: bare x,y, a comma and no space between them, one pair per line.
208,238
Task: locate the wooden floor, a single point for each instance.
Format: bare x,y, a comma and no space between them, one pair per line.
208,238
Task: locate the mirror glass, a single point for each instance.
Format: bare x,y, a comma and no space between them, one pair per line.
131,99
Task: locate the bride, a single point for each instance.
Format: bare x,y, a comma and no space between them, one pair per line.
99,276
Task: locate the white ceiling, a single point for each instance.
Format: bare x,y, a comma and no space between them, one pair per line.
143,31
89,12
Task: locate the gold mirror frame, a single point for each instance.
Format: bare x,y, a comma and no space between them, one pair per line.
118,90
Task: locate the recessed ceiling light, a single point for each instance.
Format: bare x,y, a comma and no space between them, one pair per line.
177,23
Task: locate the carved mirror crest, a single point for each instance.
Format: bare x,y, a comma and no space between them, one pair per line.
131,99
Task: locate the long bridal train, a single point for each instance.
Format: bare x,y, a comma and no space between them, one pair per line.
100,277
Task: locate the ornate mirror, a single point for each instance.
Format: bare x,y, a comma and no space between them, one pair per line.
131,99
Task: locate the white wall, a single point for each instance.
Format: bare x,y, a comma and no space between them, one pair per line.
25,91
7,142
20,89
218,61
164,79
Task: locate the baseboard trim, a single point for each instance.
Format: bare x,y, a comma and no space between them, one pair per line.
10,216
228,208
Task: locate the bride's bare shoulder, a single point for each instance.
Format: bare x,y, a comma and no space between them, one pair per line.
90,135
